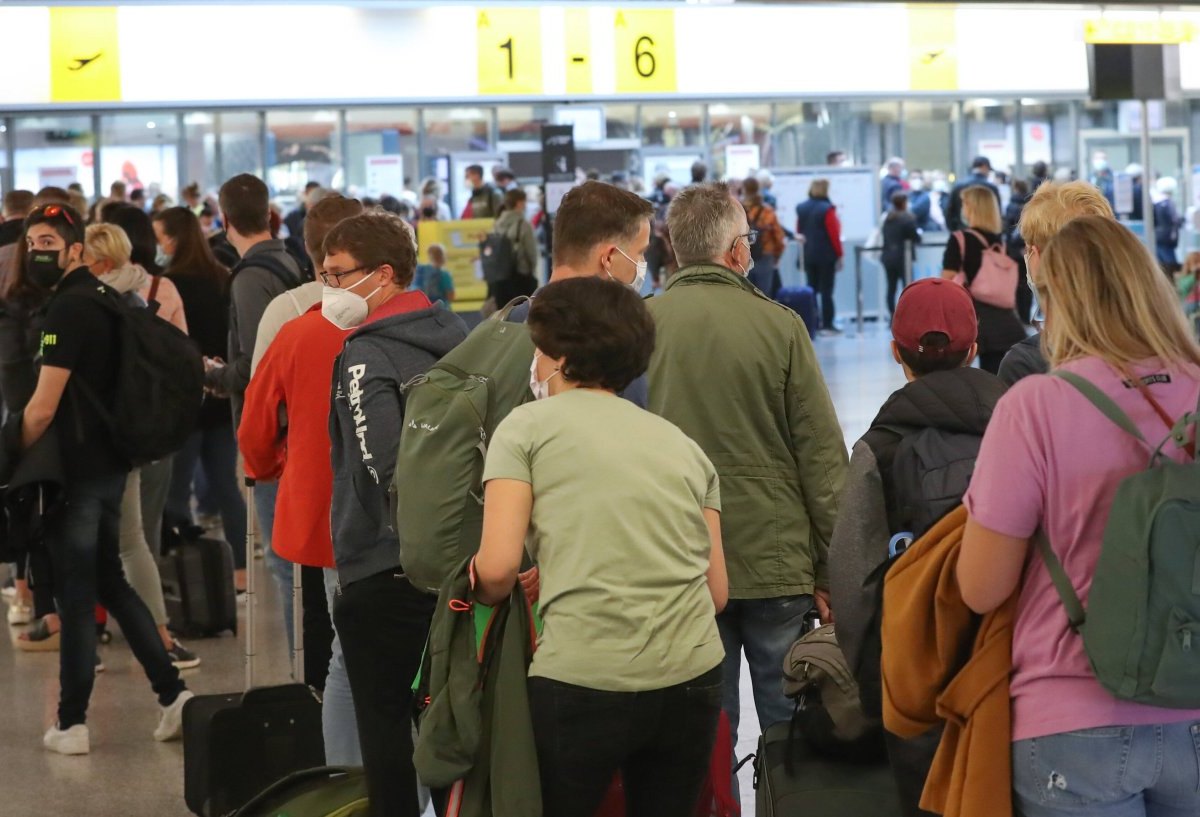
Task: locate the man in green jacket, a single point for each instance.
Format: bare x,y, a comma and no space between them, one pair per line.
737,372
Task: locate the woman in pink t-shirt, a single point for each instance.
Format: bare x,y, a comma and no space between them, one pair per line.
1051,460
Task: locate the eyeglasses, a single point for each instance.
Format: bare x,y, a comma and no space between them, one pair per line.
58,211
751,237
330,279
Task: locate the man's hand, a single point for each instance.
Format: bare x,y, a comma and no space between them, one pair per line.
531,583
824,610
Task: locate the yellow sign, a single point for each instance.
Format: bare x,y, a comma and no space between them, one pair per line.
85,61
579,52
645,58
461,242
510,51
933,61
1107,31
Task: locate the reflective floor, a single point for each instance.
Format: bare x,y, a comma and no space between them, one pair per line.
128,773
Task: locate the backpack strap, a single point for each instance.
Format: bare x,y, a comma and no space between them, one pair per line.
1062,583
154,288
987,245
1103,403
270,264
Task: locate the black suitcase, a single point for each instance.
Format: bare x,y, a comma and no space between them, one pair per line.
197,579
236,745
803,302
790,780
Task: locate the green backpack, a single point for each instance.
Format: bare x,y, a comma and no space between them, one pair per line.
450,414
1141,631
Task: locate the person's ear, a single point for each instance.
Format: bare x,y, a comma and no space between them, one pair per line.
972,353
896,353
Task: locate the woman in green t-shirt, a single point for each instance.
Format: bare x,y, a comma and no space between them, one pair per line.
621,513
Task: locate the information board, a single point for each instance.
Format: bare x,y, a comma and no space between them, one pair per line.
853,190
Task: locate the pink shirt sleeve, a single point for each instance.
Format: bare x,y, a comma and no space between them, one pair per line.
1008,488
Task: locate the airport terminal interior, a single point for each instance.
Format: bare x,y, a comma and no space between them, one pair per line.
856,138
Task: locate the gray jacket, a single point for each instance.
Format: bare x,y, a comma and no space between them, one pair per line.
251,290
1022,360
365,419
520,233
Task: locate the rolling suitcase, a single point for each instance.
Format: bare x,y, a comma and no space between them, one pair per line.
790,780
803,302
197,579
235,746
328,791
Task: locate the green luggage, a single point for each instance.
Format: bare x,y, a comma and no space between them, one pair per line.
326,791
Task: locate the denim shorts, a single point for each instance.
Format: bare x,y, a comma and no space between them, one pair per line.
1110,771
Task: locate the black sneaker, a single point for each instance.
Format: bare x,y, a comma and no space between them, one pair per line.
182,657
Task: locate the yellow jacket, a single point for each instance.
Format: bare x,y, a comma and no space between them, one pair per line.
930,677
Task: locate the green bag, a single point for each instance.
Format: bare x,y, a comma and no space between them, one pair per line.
450,414
1141,631
327,791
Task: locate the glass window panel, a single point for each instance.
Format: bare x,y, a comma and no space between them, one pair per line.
4,168
141,150
738,124
381,132
928,129
54,150
455,130
239,145
1048,135
620,121
671,125
199,130
302,147
990,130
523,123
803,134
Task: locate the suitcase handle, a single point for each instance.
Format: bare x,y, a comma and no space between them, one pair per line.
250,583
290,780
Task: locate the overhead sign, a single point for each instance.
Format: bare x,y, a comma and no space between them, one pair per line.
933,49
645,51
578,42
510,51
558,163
1158,31
85,61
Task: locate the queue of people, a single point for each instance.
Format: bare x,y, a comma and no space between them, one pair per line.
663,527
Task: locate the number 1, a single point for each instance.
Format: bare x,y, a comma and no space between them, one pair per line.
507,45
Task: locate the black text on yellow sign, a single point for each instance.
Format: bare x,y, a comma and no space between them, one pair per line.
579,51
85,64
645,56
509,41
933,58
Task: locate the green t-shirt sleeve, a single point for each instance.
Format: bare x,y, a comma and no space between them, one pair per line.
447,283
712,496
510,453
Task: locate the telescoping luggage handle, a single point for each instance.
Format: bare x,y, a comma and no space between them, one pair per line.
251,601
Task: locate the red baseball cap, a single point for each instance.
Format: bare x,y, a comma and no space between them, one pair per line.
935,305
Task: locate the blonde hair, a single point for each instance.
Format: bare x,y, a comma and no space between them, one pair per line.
1115,302
1056,203
980,209
819,189
108,242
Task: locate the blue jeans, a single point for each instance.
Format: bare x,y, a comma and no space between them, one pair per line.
83,538
1112,771
337,704
215,449
265,494
766,630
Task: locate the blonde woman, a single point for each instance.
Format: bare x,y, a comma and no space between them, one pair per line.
1052,461
107,252
999,328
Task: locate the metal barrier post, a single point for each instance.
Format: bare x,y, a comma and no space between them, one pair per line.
908,263
858,286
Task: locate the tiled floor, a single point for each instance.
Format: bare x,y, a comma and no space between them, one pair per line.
128,773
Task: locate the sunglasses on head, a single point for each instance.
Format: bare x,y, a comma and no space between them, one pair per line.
57,211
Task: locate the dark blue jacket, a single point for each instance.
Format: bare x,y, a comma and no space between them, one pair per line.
889,187
812,220
1166,230
920,205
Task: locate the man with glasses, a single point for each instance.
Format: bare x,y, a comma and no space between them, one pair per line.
80,342
737,372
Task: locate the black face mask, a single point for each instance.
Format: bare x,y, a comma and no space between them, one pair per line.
429,212
43,268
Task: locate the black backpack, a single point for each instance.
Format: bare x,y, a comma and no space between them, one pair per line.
498,256
273,265
756,250
159,385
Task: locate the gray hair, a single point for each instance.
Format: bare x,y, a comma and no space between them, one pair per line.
703,221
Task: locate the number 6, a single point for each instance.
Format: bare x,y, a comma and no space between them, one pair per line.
640,54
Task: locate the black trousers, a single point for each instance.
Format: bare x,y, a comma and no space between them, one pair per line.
895,282
661,742
318,629
383,622
821,278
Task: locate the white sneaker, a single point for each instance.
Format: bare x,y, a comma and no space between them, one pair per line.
170,725
19,613
73,741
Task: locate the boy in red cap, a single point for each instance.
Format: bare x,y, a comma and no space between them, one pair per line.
909,469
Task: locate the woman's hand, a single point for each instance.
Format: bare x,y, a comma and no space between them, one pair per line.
531,583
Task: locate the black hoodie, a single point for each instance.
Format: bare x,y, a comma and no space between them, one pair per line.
364,428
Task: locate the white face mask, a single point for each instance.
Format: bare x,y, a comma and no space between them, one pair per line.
345,308
639,277
540,388
750,265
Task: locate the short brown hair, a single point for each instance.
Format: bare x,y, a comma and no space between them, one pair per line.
18,202
246,203
514,197
375,238
602,328
322,217
51,195
595,212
